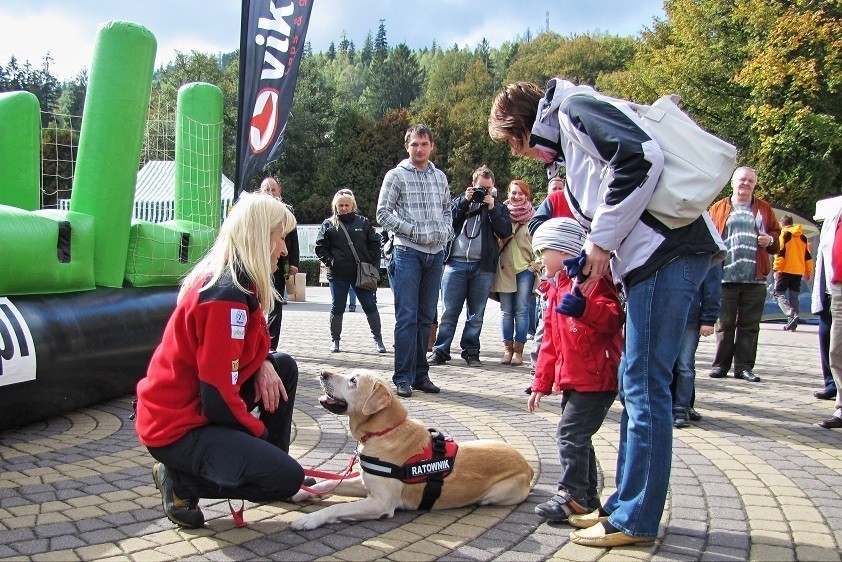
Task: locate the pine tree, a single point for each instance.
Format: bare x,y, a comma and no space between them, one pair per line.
367,52
381,46
352,53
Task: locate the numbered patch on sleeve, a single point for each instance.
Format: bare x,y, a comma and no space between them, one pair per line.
239,317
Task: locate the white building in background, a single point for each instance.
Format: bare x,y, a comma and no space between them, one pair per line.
154,196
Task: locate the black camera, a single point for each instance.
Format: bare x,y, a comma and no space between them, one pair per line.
479,194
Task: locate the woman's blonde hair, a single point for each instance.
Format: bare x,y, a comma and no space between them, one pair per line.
344,192
243,247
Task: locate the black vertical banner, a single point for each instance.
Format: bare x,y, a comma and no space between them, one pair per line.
271,44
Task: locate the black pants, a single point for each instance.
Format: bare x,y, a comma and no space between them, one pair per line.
274,321
221,462
738,326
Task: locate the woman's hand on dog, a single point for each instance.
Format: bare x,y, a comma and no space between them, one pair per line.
534,401
269,389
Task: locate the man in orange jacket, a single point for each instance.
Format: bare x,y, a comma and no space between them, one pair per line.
793,262
750,231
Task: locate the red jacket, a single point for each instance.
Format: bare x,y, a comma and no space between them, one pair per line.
581,354
214,342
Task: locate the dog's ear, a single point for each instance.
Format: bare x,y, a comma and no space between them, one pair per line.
379,398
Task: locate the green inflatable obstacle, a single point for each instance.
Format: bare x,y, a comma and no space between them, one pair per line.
43,251
161,254
198,154
20,150
116,106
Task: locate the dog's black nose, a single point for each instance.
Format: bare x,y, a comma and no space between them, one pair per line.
324,375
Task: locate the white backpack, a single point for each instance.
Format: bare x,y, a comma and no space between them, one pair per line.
697,164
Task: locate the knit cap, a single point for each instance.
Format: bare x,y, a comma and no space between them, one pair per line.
560,233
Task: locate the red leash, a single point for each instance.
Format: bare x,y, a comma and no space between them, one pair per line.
331,476
237,514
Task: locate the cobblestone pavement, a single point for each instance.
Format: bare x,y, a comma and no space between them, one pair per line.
755,479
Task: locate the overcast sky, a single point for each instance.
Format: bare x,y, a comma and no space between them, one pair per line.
66,29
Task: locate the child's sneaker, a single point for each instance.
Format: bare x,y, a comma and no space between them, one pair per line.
559,508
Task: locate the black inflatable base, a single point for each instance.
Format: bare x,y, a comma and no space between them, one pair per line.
90,347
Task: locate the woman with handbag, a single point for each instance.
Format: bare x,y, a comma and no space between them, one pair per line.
350,248
515,278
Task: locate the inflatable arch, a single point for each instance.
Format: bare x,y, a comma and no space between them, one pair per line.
85,293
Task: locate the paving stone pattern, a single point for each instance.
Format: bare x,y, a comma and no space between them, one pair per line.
755,479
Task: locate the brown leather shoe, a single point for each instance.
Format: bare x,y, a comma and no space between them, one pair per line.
831,423
597,537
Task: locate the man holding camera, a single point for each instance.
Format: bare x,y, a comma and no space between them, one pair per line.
470,263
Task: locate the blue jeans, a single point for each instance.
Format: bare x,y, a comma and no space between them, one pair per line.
825,321
352,297
463,282
339,296
685,367
514,308
582,414
656,310
415,278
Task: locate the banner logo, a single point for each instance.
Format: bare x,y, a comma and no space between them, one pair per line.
264,120
17,350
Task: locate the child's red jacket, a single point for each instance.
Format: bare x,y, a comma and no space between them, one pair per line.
581,354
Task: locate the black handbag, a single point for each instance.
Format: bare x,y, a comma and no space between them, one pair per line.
367,274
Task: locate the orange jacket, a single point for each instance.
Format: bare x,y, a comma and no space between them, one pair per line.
794,255
765,221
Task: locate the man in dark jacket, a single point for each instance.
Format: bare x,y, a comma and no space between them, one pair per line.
287,265
470,262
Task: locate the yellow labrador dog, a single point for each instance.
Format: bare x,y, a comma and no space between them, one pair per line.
482,472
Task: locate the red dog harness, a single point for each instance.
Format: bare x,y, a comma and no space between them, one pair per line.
432,466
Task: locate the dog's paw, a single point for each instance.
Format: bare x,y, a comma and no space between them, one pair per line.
308,522
302,496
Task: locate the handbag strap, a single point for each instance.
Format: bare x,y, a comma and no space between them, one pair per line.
351,244
510,238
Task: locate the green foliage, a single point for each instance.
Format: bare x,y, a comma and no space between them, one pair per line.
72,99
764,74
312,268
38,81
393,83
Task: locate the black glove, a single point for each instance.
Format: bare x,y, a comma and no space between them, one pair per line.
574,267
572,304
